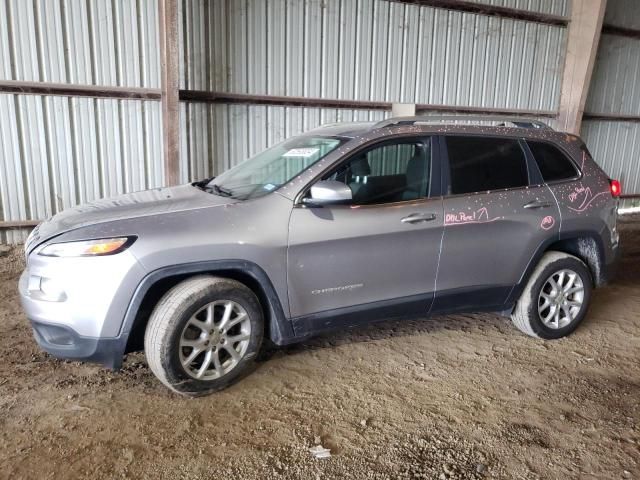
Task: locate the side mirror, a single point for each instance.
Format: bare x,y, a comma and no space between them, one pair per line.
329,192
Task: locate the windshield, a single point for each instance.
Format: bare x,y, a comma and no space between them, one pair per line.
272,168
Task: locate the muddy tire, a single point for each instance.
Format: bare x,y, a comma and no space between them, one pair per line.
204,335
556,297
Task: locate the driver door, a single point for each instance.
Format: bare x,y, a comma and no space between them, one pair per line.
377,256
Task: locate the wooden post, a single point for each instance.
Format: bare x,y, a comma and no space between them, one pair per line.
582,45
170,78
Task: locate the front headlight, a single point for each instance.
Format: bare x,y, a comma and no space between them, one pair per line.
88,248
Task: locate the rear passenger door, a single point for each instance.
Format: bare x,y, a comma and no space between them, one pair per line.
497,213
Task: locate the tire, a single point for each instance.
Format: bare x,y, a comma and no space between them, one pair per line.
187,329
532,308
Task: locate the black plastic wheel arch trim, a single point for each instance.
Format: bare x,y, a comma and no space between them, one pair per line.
280,329
515,293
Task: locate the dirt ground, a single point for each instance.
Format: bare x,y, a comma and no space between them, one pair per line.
461,396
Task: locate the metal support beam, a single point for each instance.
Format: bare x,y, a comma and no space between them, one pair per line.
491,10
170,78
582,45
621,31
19,224
73,90
311,102
611,117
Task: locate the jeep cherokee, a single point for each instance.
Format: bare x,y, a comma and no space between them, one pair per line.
344,225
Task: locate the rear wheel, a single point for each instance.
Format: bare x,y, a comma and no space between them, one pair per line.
204,335
556,298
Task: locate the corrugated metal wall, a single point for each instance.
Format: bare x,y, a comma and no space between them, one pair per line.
66,151
615,90
56,152
623,13
354,50
370,50
60,151
94,42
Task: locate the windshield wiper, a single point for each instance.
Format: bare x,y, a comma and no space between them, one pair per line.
218,190
202,183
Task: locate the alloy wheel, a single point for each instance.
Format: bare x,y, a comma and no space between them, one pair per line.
561,299
214,340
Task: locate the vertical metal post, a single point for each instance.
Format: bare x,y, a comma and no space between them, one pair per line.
582,45
169,74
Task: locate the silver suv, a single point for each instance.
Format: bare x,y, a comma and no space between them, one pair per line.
344,225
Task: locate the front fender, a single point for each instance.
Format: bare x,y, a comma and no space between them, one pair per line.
279,328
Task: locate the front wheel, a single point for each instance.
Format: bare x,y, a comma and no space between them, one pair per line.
204,335
556,298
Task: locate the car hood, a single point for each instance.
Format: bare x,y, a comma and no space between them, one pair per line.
138,204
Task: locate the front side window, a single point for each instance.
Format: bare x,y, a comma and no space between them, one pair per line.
388,173
553,164
481,164
272,168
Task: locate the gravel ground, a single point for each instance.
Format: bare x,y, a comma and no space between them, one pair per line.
461,396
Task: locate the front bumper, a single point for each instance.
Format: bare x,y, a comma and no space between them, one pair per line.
63,342
76,306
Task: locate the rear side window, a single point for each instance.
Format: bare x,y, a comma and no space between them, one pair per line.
553,164
480,164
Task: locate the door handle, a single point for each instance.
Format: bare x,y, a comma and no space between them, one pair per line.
419,217
537,204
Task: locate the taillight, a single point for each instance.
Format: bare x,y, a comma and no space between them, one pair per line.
615,187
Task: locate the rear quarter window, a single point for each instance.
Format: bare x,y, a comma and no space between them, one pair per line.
554,165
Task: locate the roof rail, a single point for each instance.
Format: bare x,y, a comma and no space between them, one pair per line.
514,121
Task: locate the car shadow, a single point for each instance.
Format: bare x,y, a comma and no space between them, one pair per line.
387,329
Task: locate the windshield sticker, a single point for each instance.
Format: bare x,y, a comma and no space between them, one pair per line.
301,152
269,186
